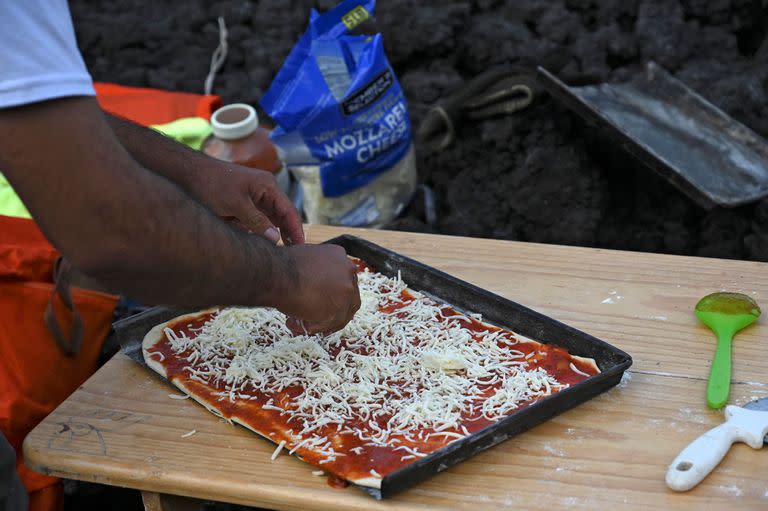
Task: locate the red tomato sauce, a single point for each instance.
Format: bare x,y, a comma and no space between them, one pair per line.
385,460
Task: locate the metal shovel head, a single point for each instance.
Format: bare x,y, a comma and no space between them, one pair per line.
761,405
712,158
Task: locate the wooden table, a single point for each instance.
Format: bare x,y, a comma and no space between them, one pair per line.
121,428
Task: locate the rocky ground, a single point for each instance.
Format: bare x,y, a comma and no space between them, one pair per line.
531,177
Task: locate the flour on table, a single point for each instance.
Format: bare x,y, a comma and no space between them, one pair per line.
732,490
625,379
554,451
613,298
693,415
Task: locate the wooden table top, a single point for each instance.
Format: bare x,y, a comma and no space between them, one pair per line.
612,451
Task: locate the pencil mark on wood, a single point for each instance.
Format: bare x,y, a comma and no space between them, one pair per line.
78,437
112,420
83,432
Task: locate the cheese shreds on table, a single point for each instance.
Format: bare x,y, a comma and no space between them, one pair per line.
404,378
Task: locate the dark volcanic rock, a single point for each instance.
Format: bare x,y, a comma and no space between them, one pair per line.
430,34
662,33
540,175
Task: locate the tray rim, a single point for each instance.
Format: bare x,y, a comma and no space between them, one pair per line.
127,330
391,484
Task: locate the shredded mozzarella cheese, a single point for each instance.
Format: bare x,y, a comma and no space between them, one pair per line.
159,354
277,450
403,365
577,370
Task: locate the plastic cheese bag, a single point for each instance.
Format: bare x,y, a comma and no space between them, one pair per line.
342,121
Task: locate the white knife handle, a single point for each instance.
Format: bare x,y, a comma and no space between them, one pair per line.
698,459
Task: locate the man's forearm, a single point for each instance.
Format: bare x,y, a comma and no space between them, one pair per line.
194,258
250,196
162,155
135,231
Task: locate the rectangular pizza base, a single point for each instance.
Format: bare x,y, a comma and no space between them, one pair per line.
468,298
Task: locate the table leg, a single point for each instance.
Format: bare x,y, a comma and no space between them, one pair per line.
151,501
160,502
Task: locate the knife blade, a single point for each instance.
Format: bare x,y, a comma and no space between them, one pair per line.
760,405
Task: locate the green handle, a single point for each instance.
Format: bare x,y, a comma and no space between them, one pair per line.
719,384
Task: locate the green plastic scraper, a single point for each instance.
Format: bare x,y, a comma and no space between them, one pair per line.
725,314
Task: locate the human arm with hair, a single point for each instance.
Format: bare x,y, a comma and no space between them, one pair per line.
139,233
249,195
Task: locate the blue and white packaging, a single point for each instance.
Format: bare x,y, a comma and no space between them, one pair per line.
342,121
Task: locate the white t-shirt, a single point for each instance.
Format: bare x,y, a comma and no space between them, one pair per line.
39,58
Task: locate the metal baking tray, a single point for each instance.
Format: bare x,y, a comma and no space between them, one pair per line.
464,296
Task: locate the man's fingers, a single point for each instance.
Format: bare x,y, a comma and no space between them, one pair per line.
254,226
296,326
280,211
287,218
325,327
256,222
354,306
301,327
356,302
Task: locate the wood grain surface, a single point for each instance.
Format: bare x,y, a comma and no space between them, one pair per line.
121,427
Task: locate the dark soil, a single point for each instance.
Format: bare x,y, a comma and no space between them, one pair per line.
533,177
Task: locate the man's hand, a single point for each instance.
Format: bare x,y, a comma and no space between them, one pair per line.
326,297
251,197
137,233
